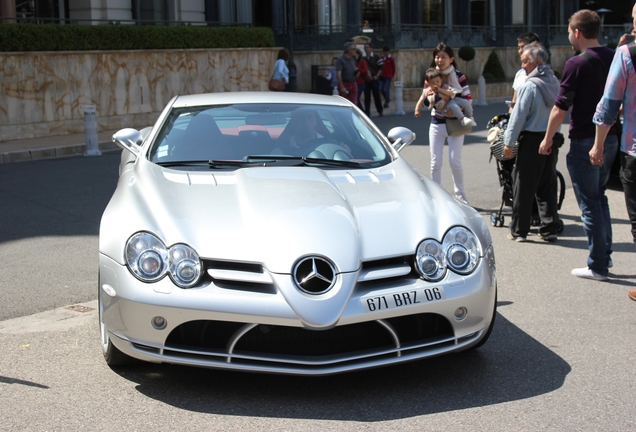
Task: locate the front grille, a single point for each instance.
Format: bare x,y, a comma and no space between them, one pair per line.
269,343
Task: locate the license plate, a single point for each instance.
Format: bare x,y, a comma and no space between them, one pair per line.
402,299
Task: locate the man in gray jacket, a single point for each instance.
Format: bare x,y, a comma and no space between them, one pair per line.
534,174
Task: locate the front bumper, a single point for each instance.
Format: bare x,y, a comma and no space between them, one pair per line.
255,329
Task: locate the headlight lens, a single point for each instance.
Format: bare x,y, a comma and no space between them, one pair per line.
149,260
461,250
429,260
185,266
146,257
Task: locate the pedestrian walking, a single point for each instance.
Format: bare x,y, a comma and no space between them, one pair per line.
582,87
619,89
374,62
280,76
348,73
388,72
444,58
534,174
363,76
520,77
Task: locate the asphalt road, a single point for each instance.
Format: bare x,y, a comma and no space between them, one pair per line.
561,356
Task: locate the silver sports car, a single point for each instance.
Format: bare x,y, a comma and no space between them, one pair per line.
278,232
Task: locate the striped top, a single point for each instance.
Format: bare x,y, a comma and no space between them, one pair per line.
621,78
439,117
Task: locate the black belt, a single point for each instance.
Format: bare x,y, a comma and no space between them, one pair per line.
349,82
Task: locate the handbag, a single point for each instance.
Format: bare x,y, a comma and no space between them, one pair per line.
454,127
367,77
276,85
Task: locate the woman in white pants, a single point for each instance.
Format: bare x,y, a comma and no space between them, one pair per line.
437,134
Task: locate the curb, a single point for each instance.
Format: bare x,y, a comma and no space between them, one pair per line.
52,152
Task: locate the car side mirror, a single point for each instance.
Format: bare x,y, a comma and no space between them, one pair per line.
129,139
400,137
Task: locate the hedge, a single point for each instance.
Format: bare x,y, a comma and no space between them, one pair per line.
74,37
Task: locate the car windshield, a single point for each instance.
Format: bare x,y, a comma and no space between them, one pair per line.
257,133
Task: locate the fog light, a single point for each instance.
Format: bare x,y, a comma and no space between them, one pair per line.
461,313
160,323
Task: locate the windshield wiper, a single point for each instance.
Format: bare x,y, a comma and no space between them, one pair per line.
333,162
209,163
262,160
304,160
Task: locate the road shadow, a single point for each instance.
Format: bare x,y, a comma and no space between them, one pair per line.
56,197
511,366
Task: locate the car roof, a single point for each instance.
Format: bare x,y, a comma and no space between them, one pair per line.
258,97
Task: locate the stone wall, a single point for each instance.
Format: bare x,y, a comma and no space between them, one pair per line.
42,94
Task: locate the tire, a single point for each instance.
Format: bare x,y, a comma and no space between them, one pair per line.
113,356
490,327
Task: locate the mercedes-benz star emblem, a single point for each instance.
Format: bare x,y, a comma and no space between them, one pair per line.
314,275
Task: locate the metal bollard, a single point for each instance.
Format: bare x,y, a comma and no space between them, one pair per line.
481,83
90,131
399,104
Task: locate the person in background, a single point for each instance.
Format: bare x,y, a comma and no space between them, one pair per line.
520,77
363,75
619,89
534,174
444,58
332,76
347,72
374,62
388,72
281,72
581,88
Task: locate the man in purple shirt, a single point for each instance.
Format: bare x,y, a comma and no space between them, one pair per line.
620,90
581,88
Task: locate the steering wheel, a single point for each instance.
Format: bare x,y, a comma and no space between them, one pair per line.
327,148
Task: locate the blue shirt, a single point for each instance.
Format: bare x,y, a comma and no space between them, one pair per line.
620,89
280,71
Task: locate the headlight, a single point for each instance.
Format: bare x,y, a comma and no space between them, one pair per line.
146,257
185,266
149,260
461,250
429,260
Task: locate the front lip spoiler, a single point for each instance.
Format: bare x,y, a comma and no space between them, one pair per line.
328,365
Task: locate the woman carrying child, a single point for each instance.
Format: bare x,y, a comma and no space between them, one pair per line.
457,84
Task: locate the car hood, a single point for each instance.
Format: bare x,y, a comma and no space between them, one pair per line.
276,215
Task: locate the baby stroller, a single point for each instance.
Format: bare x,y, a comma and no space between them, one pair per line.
496,129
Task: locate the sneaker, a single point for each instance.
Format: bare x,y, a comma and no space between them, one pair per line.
547,237
632,294
610,263
588,273
467,121
462,199
386,105
518,239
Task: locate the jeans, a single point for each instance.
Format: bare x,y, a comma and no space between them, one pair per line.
437,134
385,87
628,178
589,182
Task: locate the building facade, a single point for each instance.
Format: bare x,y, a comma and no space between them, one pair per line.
324,24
